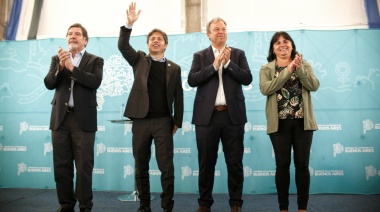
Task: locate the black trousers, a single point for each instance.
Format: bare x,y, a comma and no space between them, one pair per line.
144,131
208,138
291,135
73,145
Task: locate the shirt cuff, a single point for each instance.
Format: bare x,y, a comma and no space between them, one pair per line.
226,65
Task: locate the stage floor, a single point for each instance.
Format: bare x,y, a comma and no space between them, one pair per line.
41,200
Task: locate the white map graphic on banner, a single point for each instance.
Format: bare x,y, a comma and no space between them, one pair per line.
117,79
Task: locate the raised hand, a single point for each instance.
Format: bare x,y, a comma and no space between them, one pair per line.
132,15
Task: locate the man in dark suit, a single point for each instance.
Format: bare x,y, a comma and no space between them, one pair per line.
157,85
75,75
219,112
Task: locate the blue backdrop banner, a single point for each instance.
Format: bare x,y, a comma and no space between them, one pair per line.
345,152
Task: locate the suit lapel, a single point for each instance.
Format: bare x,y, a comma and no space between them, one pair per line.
210,55
168,72
146,73
272,66
84,60
82,63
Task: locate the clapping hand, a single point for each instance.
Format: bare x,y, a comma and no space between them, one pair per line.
223,57
63,56
295,64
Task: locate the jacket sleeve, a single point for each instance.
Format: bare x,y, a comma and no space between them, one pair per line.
178,101
198,75
307,77
239,69
53,77
90,74
125,48
268,83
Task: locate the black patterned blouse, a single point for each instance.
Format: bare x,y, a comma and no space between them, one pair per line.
289,97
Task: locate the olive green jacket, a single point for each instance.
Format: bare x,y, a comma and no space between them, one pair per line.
269,85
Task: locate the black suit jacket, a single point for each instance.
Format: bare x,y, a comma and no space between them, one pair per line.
138,101
203,76
87,79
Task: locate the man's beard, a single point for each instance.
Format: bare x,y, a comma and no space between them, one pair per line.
73,47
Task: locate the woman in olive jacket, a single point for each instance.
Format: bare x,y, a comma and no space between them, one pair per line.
287,81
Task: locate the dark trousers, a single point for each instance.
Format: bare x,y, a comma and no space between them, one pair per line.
291,134
208,138
144,131
72,144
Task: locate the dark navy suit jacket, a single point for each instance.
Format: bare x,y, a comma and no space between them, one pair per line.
203,76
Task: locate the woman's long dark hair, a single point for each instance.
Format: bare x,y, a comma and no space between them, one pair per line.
271,55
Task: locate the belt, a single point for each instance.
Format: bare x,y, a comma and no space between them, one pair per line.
70,109
220,108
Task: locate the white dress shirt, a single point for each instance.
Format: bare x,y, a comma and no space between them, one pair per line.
75,61
220,97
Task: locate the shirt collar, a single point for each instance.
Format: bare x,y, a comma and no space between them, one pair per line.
161,60
81,53
214,49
